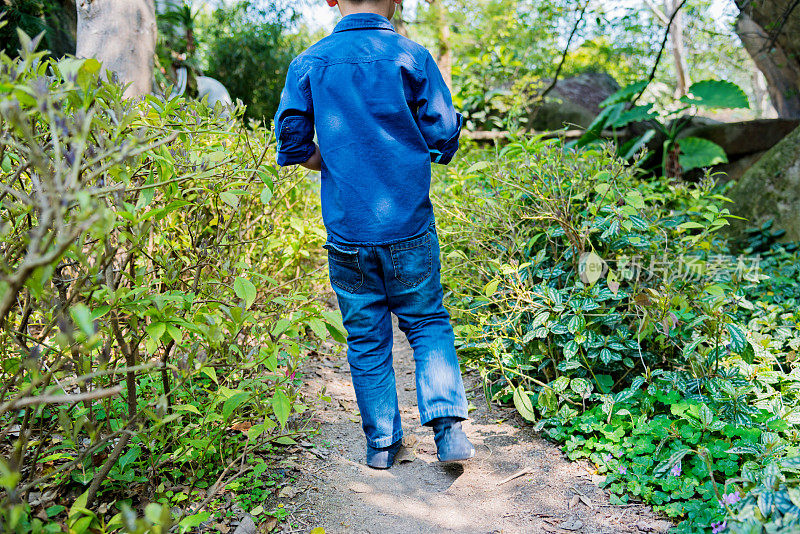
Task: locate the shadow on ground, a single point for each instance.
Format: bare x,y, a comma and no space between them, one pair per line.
420,495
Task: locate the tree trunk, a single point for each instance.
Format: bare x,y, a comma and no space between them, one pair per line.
399,22
445,52
776,51
122,35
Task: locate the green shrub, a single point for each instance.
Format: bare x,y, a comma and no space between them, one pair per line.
155,300
666,368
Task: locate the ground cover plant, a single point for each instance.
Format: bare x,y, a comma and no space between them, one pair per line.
156,304
609,309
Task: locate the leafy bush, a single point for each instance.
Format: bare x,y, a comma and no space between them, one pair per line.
155,300
610,313
677,155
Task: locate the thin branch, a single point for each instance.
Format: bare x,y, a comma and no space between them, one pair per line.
660,51
67,399
774,34
660,15
566,51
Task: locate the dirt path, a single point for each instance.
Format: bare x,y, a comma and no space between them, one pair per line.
419,495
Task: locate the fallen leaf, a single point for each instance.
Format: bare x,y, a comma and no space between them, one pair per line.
573,502
654,526
242,426
287,492
407,452
587,501
268,525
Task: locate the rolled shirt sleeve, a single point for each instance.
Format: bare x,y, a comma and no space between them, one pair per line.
438,121
294,121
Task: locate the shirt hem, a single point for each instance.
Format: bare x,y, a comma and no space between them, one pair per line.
381,243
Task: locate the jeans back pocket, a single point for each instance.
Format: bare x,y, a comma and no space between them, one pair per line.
343,267
412,260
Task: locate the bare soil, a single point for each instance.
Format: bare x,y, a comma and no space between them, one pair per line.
420,495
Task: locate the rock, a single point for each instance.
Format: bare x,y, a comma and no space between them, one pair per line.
771,189
573,101
247,526
212,89
735,169
743,138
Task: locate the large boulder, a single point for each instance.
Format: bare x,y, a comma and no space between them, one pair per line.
743,138
744,142
771,189
573,102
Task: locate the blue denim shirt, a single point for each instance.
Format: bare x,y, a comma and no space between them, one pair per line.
382,114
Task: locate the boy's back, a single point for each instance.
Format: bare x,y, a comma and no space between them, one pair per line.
382,113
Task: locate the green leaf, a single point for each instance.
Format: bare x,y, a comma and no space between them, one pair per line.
78,506
285,440
265,196
187,408
175,333
211,373
523,404
491,287
256,430
481,165
717,94
738,339
318,327
697,153
635,199
156,330
83,317
547,401
281,406
689,349
336,333
635,114
625,94
245,290
690,225
581,386
560,384
576,324
233,402
193,521
666,466
706,415
570,349
632,147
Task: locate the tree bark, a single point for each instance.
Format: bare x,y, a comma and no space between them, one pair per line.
776,52
121,34
676,36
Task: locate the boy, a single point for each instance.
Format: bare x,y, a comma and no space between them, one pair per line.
382,114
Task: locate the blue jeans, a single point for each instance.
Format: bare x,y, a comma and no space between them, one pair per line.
370,283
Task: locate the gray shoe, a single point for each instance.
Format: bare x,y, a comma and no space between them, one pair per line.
451,442
382,457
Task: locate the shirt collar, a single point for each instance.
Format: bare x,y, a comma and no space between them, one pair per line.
363,21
